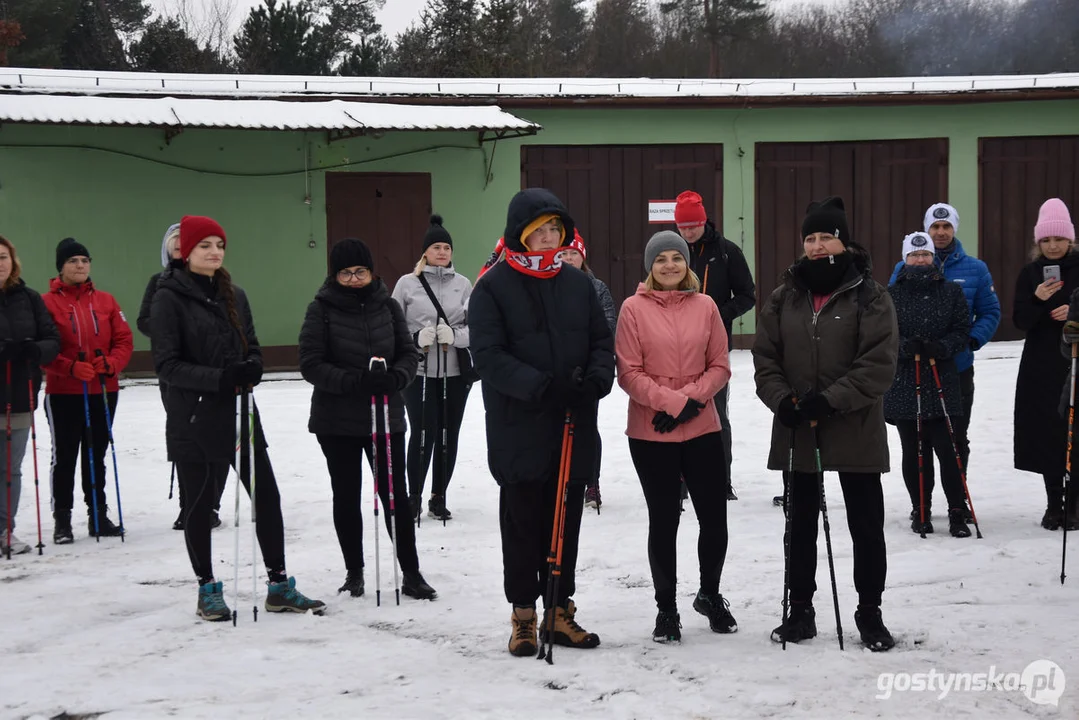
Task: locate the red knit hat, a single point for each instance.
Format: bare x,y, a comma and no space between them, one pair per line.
196,228
689,210
578,243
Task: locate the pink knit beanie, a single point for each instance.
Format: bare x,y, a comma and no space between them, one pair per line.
1054,221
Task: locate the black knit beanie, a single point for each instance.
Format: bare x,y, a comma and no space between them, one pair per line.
350,252
67,249
827,216
436,234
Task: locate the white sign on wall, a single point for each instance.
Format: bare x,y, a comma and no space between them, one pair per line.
660,211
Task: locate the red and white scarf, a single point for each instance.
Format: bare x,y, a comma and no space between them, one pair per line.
541,264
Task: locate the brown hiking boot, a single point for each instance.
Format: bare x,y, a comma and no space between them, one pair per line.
523,640
566,630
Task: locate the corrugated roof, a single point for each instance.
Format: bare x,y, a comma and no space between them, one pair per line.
339,115
265,86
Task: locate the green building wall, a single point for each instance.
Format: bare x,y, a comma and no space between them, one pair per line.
117,189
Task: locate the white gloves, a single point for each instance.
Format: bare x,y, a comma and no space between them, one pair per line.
445,334
426,337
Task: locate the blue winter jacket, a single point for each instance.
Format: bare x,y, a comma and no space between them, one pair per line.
973,276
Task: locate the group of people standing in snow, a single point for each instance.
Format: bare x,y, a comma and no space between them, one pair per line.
836,356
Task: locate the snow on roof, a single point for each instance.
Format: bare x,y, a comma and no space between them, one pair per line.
254,114
89,82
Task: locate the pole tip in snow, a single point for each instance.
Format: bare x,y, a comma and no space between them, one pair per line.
233,618
255,612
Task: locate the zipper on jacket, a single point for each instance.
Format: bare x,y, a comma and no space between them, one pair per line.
816,329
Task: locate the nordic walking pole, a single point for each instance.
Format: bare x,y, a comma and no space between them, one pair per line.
787,507
423,440
112,445
250,419
554,557
955,448
1068,464
389,482
445,424
7,448
921,459
374,472
89,440
827,531
33,447
241,432
172,480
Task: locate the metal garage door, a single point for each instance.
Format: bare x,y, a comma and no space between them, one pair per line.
1016,175
607,188
885,185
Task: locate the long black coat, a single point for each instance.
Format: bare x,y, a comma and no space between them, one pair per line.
343,329
193,341
143,321
524,332
928,307
23,316
724,276
1041,436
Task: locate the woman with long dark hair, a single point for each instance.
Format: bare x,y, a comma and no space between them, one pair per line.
206,350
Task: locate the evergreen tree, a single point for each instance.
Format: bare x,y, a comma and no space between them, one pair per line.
453,37
622,39
283,40
500,29
166,47
93,41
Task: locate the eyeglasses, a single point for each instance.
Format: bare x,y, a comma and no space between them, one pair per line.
346,275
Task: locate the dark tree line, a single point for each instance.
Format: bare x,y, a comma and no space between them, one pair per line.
557,38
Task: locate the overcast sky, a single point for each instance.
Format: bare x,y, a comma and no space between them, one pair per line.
395,16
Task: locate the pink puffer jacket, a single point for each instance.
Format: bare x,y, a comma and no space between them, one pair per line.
671,346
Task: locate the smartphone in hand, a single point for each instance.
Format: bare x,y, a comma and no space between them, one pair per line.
1051,273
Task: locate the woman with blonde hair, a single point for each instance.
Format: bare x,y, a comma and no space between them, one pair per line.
434,298
672,360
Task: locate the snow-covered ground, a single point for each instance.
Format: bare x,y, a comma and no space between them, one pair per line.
109,629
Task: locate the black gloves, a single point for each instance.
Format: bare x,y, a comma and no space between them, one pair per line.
664,423
815,407
912,346
936,350
788,414
31,351
377,381
250,373
240,374
572,393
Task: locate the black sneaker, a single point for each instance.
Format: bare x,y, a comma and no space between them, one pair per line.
668,627
215,520
353,583
717,610
916,524
968,516
1053,518
871,627
777,501
105,526
801,625
61,531
416,587
956,526
436,508
730,493
179,524
415,504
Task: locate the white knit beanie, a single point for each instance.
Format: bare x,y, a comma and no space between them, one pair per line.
917,241
941,212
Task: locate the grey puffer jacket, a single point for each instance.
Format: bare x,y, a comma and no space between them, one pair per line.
606,301
453,291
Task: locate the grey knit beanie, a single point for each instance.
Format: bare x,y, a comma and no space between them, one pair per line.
661,242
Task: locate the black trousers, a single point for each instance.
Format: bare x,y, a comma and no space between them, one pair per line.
200,482
864,498
163,388
661,467
526,518
67,422
346,465
962,424
935,440
722,400
430,418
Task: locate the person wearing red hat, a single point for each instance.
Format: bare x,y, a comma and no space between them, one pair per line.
576,254
95,346
725,277
205,349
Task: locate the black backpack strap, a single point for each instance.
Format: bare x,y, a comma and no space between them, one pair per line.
434,300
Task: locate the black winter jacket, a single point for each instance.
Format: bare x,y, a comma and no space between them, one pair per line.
606,301
343,329
928,307
724,275
143,321
524,332
193,341
23,315
1040,438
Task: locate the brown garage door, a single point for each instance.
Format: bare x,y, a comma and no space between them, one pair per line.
388,211
885,185
607,188
1016,175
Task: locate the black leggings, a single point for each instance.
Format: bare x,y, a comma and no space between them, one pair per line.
200,483
661,467
346,466
431,419
935,440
